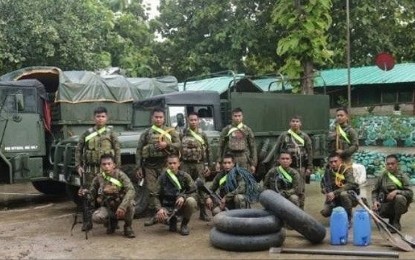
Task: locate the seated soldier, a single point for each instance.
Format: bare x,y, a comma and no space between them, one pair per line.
284,179
237,187
338,179
175,191
392,195
113,193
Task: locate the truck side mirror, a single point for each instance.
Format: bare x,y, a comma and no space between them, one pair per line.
19,99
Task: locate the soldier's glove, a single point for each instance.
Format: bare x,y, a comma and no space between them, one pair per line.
80,171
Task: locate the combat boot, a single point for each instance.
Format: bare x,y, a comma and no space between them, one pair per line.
184,230
203,215
397,222
151,221
128,232
173,224
112,225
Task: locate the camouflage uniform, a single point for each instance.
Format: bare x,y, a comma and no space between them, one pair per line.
339,183
195,156
399,205
301,155
290,189
337,141
167,192
152,160
235,199
88,152
108,197
240,143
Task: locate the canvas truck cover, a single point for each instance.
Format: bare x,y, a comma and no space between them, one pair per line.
88,86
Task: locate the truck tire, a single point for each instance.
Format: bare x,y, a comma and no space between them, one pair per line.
50,187
141,193
247,222
296,218
242,243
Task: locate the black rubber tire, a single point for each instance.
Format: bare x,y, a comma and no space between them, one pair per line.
296,218
241,243
50,187
141,193
247,222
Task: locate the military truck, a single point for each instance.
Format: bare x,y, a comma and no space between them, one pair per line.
41,124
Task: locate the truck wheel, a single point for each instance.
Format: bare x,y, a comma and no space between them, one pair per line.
296,218
49,187
242,243
141,193
247,222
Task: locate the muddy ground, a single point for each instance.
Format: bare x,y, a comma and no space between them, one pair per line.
38,227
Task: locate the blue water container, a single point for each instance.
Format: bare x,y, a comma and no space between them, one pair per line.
362,230
339,226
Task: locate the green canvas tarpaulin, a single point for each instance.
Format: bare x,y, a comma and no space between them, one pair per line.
87,86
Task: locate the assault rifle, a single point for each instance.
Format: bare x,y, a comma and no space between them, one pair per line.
201,185
86,210
327,185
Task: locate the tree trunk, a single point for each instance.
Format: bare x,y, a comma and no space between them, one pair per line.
307,81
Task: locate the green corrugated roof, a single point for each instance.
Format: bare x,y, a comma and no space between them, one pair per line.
401,73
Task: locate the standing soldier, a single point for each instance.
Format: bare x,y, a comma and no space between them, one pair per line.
195,156
238,140
155,144
284,179
95,142
343,139
113,195
298,144
174,196
392,195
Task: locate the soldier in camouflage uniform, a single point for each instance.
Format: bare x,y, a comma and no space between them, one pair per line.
195,156
343,139
95,142
113,194
239,140
155,144
338,179
234,187
175,191
392,195
284,179
298,144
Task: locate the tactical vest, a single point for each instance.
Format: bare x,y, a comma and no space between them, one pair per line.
192,149
97,146
112,200
237,141
295,149
153,137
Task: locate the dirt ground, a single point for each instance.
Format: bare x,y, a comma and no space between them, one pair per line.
34,226
40,227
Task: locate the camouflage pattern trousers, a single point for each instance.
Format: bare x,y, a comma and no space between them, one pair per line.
395,208
101,215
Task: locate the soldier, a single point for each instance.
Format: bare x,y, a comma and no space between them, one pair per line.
95,142
298,144
284,179
154,145
392,195
237,187
174,196
343,138
113,193
238,140
195,156
337,181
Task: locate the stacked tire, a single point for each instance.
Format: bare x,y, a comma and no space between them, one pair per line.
247,230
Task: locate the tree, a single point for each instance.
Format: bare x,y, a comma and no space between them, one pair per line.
304,43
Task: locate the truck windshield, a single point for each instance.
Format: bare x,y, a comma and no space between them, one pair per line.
8,100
